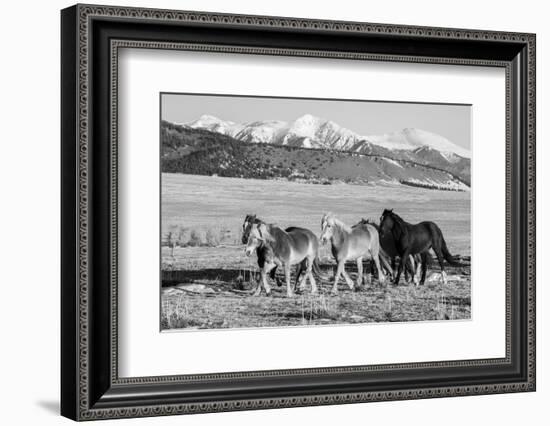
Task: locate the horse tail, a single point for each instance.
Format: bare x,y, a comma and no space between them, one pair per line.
447,254
318,271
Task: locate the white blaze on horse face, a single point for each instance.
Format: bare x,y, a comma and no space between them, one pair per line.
326,231
246,224
254,241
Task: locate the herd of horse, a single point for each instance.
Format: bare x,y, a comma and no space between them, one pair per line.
391,240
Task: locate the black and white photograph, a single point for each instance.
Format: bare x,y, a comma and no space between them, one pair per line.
283,206
279,212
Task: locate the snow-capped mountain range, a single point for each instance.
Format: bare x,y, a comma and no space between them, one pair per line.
280,150
309,131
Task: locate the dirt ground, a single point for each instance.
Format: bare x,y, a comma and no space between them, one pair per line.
207,282
222,298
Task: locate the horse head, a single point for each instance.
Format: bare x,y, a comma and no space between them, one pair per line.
387,221
327,227
249,220
258,234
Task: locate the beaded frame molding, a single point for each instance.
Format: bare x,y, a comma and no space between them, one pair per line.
91,38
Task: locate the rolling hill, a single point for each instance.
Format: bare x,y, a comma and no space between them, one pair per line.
193,149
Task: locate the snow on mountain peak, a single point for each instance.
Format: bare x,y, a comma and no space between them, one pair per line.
306,125
214,124
311,131
206,119
412,138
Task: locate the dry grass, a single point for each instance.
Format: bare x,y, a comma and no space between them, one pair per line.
230,304
213,208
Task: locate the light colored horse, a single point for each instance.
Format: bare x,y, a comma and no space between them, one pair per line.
351,243
283,248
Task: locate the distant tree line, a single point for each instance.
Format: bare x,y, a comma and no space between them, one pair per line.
429,186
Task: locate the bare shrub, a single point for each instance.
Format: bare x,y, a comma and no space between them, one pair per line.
176,236
317,306
212,237
196,238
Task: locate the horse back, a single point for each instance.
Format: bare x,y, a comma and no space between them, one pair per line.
431,228
291,240
302,238
423,235
363,236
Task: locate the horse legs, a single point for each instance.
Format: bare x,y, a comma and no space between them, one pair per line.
410,269
401,266
339,270
381,277
309,274
299,270
439,255
289,291
424,257
386,266
359,272
417,270
347,278
406,271
268,267
274,277
259,286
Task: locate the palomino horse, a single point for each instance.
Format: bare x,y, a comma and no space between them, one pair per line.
264,252
351,243
416,239
284,248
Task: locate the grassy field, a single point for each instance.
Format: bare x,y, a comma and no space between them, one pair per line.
208,281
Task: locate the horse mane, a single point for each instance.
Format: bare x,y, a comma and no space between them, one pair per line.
367,221
398,220
253,219
336,222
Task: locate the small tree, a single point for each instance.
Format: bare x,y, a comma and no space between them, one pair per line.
212,239
195,239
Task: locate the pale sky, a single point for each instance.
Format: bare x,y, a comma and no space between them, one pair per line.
364,117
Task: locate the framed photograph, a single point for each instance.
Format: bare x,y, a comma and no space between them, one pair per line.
263,212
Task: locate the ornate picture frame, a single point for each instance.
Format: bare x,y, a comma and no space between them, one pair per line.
91,37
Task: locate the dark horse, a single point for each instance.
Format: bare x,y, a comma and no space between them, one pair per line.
416,239
388,253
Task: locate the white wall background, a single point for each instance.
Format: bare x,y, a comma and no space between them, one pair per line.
29,214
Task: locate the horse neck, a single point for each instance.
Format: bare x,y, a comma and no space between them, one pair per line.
400,227
338,235
274,231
